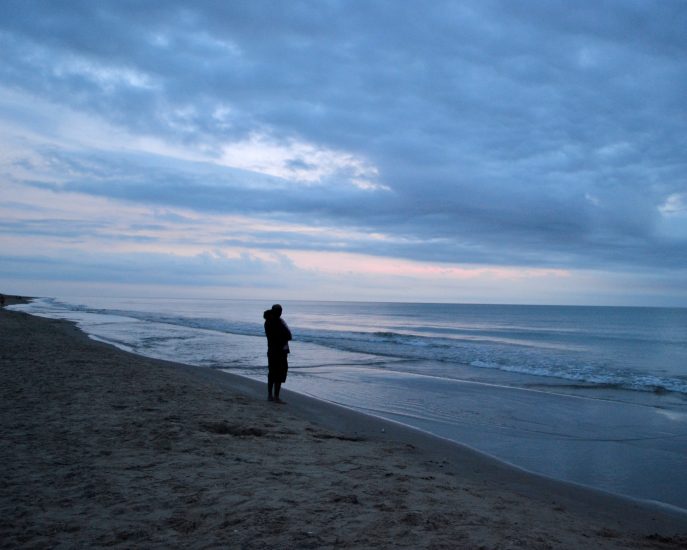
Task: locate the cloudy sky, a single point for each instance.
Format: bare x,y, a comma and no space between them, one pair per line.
476,151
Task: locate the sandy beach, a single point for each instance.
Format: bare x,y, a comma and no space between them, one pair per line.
104,448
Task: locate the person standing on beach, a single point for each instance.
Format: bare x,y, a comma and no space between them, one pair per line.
278,336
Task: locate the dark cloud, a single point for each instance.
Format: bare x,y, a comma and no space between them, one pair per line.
528,133
554,229
144,268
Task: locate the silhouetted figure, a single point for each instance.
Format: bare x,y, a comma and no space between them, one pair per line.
2,300
278,336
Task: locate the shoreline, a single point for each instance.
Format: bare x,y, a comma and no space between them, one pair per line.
368,479
11,299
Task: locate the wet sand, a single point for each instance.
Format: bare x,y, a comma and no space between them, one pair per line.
104,448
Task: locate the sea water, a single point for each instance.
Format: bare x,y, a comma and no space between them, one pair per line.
593,395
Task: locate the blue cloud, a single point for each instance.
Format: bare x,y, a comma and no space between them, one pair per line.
555,227
545,133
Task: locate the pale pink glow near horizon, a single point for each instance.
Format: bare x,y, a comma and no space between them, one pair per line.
336,263
192,235
189,239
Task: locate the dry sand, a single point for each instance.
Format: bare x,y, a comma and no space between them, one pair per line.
103,448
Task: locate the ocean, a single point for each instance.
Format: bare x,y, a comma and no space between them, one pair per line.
591,395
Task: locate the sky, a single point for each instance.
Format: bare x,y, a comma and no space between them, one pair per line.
477,151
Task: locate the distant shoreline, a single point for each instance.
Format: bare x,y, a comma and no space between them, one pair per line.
12,300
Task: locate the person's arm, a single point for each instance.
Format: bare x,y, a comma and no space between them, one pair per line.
287,332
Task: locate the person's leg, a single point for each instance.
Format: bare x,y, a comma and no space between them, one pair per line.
270,380
280,377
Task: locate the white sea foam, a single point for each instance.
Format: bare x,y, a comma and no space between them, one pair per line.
610,347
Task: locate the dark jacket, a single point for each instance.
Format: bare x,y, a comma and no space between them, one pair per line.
277,332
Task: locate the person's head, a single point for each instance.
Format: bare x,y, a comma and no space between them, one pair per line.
276,310
267,314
